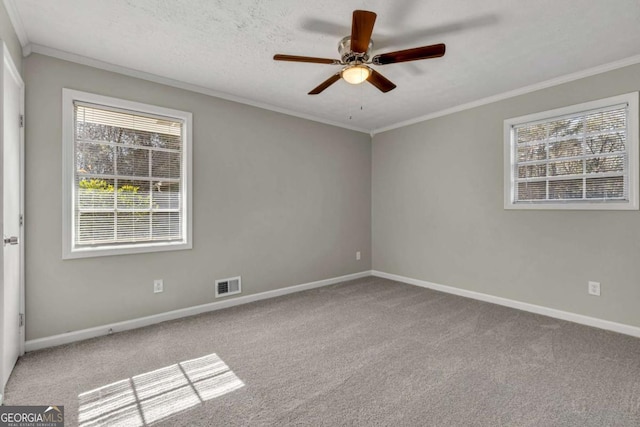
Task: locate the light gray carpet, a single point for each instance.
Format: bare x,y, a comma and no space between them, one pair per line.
365,352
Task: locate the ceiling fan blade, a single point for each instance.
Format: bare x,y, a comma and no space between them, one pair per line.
361,29
325,84
295,58
380,81
424,52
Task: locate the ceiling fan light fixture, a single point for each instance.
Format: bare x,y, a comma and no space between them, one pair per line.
355,74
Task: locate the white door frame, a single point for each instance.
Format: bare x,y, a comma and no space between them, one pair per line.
21,235
8,62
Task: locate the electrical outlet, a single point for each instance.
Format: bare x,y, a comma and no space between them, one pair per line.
158,286
594,288
358,256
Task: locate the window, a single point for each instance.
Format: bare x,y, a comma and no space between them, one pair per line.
579,157
127,177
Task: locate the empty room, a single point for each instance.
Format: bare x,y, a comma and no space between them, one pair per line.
333,213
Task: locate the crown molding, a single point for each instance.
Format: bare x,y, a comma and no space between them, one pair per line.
632,60
67,56
16,21
83,60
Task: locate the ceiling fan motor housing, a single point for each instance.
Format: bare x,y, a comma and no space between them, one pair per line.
349,57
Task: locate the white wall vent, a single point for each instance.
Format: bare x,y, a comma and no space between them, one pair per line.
230,286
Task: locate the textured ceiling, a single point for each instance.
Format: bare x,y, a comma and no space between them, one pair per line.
493,46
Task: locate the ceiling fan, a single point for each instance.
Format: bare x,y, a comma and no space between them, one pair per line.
355,57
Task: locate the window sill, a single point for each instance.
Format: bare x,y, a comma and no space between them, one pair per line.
125,250
583,206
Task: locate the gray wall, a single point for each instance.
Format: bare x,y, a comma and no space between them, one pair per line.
438,213
279,200
8,35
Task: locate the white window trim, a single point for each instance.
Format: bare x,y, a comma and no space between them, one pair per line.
633,156
68,178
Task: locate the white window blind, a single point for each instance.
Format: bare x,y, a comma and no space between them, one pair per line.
127,176
578,157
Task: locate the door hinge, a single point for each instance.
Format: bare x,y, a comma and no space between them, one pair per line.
21,220
21,319
21,120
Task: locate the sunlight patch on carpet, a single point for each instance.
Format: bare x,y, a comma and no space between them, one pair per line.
157,395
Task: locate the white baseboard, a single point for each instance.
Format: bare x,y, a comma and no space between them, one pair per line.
538,309
126,325
140,322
